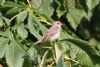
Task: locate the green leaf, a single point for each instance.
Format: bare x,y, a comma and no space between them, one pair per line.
22,16
84,59
14,55
36,3
93,3
1,22
22,32
10,4
4,34
59,53
42,14
32,52
13,10
2,1
42,64
31,26
74,17
60,9
6,20
83,45
46,7
3,46
41,26
27,62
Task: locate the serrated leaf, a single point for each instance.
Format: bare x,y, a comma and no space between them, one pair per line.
31,25
14,55
22,32
84,59
83,45
94,3
22,16
75,16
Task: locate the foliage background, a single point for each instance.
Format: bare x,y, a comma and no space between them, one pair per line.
25,21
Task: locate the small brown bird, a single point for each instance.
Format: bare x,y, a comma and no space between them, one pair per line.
52,34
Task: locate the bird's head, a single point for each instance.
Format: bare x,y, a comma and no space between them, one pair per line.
57,23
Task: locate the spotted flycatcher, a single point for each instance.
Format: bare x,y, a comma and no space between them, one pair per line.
52,34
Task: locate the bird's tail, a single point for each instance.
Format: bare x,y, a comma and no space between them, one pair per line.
37,42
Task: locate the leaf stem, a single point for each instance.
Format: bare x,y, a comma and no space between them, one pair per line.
13,17
29,3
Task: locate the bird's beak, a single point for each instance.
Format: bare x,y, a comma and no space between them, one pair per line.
62,24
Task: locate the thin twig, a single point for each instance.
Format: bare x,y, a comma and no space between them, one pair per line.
29,3
13,17
69,59
69,64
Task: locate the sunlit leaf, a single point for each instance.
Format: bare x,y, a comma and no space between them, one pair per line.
1,21
3,46
74,17
22,16
12,10
31,26
42,64
22,32
46,7
7,21
59,53
83,45
14,55
36,3
10,4
2,1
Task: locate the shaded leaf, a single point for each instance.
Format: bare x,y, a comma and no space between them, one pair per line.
27,63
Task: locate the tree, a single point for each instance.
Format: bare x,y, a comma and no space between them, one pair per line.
22,22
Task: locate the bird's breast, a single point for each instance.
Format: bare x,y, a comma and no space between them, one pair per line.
55,36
